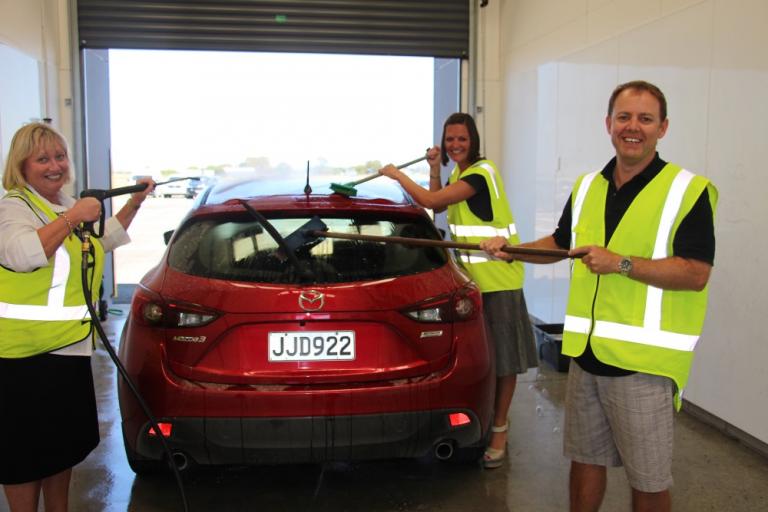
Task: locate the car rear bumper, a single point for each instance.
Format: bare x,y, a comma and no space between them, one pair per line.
251,441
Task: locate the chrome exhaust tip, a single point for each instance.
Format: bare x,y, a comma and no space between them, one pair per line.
180,460
444,450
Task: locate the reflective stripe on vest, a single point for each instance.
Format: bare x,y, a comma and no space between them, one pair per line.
472,257
578,202
645,335
650,333
54,309
482,231
492,175
491,274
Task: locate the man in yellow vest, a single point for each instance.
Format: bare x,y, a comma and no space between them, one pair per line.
644,231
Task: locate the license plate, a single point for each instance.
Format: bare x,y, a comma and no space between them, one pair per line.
312,346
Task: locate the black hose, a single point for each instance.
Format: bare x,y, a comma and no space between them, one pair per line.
123,372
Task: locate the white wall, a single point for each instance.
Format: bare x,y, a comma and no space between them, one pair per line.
560,61
34,34
19,94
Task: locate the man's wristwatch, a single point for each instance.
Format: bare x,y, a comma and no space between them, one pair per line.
625,266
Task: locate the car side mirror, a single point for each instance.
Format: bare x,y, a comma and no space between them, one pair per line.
167,236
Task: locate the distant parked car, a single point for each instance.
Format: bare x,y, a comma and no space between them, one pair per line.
251,352
198,184
137,177
174,188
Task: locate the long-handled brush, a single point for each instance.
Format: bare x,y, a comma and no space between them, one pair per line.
315,231
348,189
449,244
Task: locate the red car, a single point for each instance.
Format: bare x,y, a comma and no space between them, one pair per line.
251,352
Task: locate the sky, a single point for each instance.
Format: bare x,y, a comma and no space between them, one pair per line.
176,109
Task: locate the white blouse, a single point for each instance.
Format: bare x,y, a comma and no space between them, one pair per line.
22,251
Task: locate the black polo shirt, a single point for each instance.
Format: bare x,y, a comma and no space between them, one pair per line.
694,239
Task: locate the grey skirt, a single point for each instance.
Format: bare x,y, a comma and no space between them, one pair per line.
509,329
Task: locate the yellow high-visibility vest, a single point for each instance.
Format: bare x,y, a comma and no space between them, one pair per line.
630,324
490,274
45,310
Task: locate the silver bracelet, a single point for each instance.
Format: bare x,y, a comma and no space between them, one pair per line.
69,223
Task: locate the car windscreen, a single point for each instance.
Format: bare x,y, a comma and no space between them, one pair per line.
239,248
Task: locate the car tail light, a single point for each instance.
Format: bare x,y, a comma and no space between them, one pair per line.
151,309
461,306
165,429
432,313
457,419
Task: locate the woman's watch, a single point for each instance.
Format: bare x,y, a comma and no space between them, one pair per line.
625,266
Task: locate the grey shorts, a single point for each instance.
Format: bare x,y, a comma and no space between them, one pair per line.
615,421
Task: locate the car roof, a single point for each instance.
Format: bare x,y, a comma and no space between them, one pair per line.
274,193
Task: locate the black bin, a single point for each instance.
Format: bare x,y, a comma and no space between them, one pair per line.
549,341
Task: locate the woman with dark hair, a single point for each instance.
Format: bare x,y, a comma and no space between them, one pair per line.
478,209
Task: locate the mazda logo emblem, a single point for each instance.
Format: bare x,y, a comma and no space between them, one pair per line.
311,300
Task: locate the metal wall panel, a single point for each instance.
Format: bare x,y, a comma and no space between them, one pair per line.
436,28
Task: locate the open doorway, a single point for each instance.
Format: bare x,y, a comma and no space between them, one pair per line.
209,114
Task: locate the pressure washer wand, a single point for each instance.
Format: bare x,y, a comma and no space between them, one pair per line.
101,195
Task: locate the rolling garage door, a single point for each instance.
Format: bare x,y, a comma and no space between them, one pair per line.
430,28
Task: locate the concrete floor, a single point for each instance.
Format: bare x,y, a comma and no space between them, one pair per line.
712,472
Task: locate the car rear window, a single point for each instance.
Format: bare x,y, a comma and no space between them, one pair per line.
241,249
